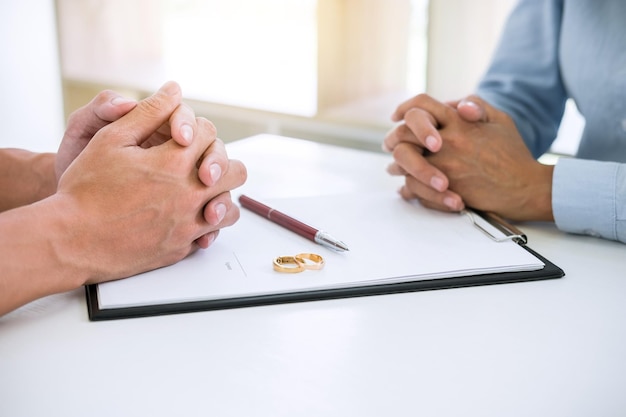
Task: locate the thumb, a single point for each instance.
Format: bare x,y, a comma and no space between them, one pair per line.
151,113
472,109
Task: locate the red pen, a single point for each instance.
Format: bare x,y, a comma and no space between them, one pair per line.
304,230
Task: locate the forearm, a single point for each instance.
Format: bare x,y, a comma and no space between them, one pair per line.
34,259
524,78
25,177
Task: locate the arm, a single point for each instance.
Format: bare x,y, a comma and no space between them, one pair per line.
524,77
581,196
25,177
523,80
589,197
120,209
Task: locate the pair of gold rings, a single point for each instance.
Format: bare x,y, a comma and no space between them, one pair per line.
298,263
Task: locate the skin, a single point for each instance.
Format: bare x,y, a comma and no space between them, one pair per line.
467,153
129,198
25,177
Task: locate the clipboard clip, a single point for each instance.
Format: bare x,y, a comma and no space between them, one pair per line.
510,232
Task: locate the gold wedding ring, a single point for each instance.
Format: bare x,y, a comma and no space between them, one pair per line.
298,263
287,264
310,260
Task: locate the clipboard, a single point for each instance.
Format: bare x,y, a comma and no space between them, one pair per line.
482,227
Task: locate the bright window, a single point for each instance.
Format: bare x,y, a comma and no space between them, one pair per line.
317,69
249,53
299,57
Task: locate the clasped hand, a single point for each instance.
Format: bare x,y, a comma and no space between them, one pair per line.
467,153
149,181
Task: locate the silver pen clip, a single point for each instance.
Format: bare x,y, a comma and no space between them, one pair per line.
510,232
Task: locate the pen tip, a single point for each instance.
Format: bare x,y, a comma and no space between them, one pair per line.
330,242
342,246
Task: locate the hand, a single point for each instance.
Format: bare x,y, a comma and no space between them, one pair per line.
420,129
132,208
410,142
486,163
107,107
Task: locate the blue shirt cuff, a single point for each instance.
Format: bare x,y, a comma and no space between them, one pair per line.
589,197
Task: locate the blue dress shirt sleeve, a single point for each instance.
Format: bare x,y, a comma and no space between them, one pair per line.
582,204
526,80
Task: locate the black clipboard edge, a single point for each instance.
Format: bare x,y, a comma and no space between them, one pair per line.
549,271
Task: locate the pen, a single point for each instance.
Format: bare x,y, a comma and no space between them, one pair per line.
311,233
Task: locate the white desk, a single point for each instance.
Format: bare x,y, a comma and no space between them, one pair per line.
547,348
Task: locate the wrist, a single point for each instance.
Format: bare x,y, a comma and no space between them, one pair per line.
540,194
70,247
26,177
46,181
36,255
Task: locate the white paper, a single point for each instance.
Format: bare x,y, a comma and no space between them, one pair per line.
390,240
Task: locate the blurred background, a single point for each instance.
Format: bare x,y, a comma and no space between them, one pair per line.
326,70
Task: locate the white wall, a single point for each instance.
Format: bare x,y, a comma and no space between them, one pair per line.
31,103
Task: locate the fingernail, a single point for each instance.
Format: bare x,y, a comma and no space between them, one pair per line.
438,183
432,143
469,103
187,132
452,203
220,210
119,100
170,88
216,172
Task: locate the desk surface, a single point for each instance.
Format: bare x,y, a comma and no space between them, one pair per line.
546,348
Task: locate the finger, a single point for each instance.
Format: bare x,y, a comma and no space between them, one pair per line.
189,159
411,160
205,136
444,201
106,107
183,124
398,114
213,163
396,170
440,111
472,109
146,118
419,129
398,134
437,206
181,127
221,211
206,240
491,113
424,127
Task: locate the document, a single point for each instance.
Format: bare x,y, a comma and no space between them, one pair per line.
390,241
